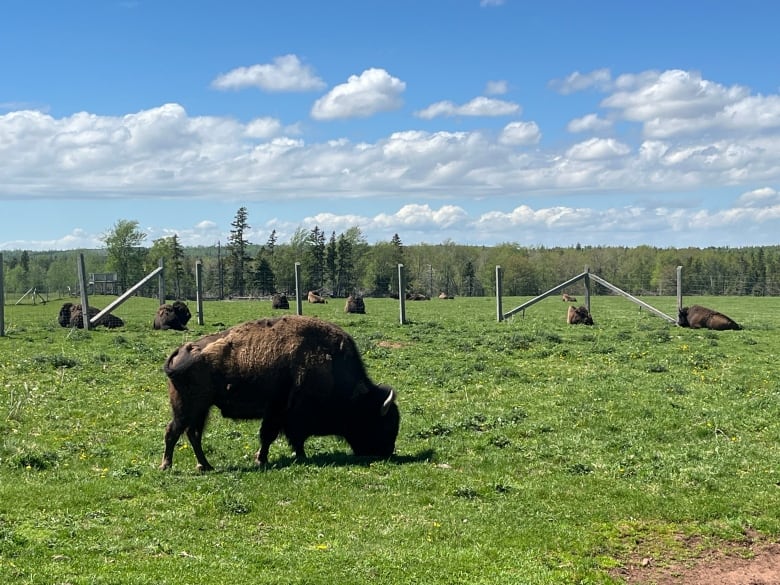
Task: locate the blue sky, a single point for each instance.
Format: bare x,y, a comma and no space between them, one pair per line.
477,121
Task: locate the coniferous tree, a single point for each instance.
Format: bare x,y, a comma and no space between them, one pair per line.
238,258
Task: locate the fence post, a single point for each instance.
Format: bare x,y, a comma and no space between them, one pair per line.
298,304
499,293
2,298
199,290
83,286
679,288
401,294
161,281
586,280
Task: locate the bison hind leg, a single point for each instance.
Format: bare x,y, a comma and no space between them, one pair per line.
269,431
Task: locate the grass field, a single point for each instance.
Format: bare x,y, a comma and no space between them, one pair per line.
530,451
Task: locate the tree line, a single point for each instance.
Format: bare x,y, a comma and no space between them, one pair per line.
345,263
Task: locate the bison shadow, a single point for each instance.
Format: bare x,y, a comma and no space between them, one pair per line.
333,459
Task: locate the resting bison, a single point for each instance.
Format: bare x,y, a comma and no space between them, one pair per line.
355,304
578,315
302,376
567,298
279,301
173,316
444,295
73,316
698,317
417,297
313,297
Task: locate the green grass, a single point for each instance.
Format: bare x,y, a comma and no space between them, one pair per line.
529,452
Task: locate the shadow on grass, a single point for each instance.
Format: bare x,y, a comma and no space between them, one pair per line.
338,459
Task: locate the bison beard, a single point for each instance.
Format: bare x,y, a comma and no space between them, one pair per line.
302,376
698,317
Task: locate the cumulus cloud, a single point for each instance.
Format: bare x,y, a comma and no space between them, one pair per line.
479,106
588,123
286,74
364,95
520,134
598,148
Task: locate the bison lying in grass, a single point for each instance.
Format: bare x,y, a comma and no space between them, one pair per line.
355,304
73,316
173,316
698,317
578,315
302,376
313,297
280,301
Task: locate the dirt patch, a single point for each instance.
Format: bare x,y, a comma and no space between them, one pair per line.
735,564
390,344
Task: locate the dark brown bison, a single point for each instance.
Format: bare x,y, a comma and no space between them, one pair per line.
698,317
355,304
279,301
578,315
302,376
313,297
73,316
173,316
567,298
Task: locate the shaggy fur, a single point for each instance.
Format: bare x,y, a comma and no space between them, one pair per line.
173,316
578,315
71,315
279,301
302,376
355,304
313,297
698,317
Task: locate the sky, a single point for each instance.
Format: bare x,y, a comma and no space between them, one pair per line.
479,122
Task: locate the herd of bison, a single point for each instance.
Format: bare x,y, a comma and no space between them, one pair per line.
301,376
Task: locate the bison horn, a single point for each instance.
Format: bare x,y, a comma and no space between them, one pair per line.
388,401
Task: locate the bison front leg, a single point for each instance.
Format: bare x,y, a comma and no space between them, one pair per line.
269,431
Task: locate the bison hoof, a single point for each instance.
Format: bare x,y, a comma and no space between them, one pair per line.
204,468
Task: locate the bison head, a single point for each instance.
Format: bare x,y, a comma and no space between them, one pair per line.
64,317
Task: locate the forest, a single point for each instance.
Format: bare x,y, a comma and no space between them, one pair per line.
341,264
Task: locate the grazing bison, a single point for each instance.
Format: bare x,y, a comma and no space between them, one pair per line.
578,315
567,298
698,317
355,304
279,301
302,376
313,297
173,316
73,316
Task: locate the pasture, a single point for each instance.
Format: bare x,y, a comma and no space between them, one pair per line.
530,451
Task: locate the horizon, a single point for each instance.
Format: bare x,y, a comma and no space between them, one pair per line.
482,122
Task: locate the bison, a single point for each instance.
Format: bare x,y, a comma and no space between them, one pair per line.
698,317
355,304
173,316
444,295
413,296
301,375
578,315
313,297
567,298
279,301
73,316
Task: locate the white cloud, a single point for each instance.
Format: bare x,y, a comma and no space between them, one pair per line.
488,3
600,79
364,95
598,148
589,123
498,87
286,74
520,134
263,128
479,106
